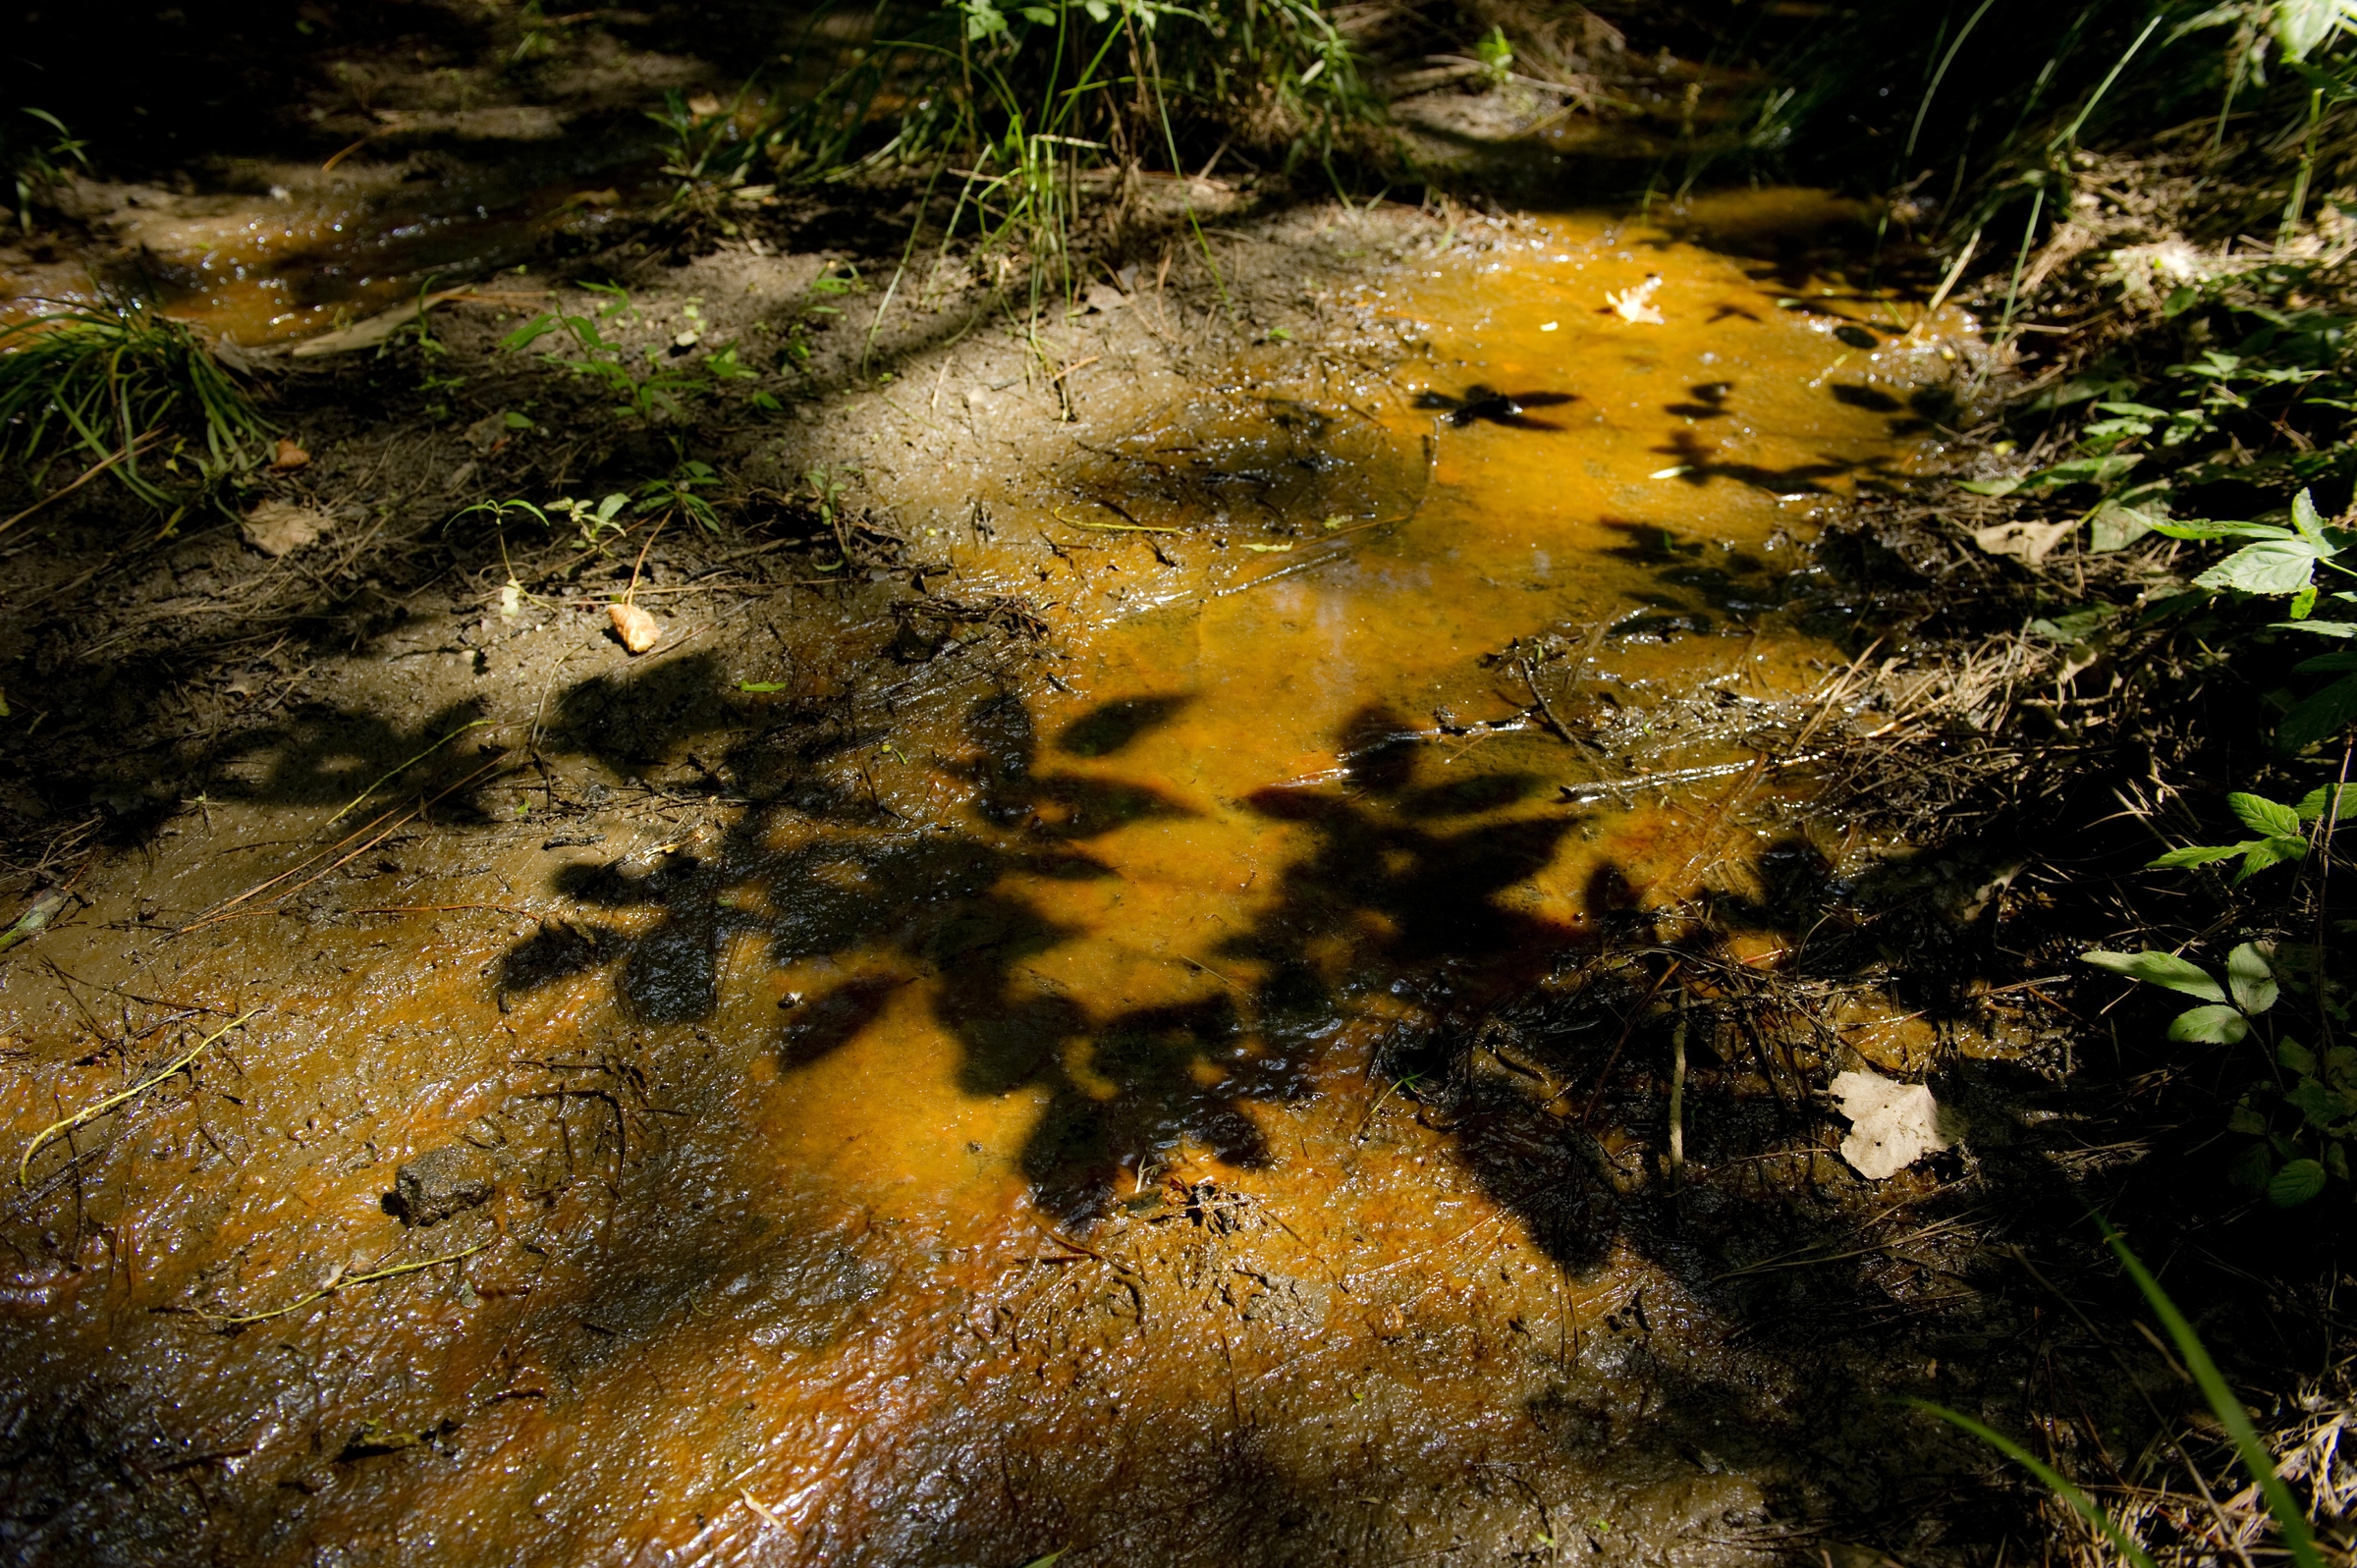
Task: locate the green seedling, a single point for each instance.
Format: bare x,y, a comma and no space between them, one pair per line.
2290,1168
658,393
2285,832
38,160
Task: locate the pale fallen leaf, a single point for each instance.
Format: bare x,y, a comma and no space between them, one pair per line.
1892,1124
1635,304
373,331
289,455
277,526
511,599
634,626
2030,542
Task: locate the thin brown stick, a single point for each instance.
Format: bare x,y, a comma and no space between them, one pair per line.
131,451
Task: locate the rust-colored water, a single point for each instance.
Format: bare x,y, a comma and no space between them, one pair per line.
976,1151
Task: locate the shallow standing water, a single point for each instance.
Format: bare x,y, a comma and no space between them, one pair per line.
982,1144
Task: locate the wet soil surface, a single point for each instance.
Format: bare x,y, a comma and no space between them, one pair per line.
1104,986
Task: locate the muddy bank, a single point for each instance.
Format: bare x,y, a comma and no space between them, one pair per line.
1216,930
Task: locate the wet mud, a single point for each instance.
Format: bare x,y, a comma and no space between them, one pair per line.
1130,1033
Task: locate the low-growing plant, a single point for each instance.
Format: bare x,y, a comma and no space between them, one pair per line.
651,390
2302,1129
132,390
37,159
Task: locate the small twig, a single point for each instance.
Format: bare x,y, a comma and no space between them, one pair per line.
396,772
131,451
652,537
1677,1095
337,1279
57,1129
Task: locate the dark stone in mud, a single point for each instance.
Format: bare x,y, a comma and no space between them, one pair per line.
437,1184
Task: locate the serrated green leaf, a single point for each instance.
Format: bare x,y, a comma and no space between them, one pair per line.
2292,1056
2262,815
2307,525
2322,1106
2320,716
2209,1026
2253,1169
2199,855
2250,981
2271,852
2272,565
2324,664
2324,798
2323,629
2163,969
2296,1183
2245,1120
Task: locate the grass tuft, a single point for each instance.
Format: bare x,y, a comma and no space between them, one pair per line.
131,389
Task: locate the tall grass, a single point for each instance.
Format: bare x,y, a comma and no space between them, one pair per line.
130,388
1007,109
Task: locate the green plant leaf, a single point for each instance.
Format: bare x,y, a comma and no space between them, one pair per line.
2269,852
2264,816
2323,629
2219,1025
2321,800
2200,855
2210,528
2250,981
2320,1106
2059,1484
2274,566
2295,1057
2224,1404
2253,1169
2320,716
2296,1183
2114,526
2163,969
2245,1120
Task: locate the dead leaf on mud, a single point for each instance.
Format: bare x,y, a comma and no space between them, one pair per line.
636,628
277,526
1892,1124
289,455
2028,542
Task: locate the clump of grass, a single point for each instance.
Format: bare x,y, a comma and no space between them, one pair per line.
128,390
1018,103
37,158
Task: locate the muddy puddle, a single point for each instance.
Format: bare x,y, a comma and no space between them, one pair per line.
724,1110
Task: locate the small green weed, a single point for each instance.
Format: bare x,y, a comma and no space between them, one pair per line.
651,392
2302,1130
130,388
38,160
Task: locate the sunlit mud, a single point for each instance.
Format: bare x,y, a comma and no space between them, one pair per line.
985,1124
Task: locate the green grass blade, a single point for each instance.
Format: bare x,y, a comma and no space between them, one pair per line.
2224,1404
2053,1477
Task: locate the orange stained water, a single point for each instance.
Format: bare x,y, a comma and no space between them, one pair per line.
982,1152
